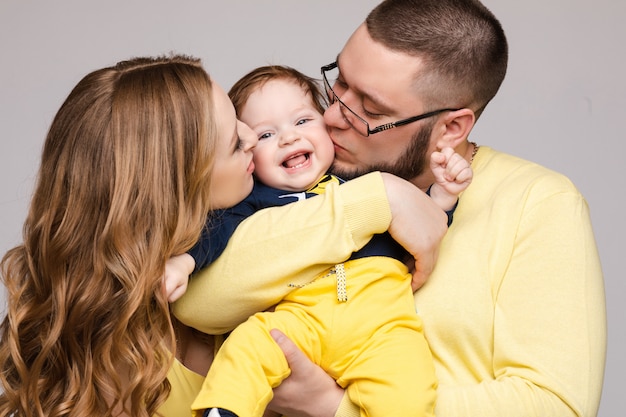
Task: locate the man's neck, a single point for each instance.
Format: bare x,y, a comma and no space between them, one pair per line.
423,181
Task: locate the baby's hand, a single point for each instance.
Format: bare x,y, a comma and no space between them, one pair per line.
452,172
176,276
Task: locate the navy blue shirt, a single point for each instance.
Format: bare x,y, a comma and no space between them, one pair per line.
221,224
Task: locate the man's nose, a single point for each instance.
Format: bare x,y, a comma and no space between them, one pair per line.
333,116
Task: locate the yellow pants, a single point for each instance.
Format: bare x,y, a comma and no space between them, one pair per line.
372,344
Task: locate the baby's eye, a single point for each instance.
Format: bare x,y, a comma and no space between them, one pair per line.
265,136
302,121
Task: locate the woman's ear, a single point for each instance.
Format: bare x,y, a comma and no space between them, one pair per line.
455,128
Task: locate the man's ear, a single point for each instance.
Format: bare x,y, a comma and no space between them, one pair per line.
455,127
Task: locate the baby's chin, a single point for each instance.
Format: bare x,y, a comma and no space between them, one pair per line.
300,181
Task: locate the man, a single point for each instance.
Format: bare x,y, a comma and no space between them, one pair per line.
514,311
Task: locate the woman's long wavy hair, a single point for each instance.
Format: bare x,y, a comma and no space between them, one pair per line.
123,185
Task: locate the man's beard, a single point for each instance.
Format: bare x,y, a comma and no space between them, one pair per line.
409,165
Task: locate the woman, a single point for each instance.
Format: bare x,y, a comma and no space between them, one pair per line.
126,181
136,157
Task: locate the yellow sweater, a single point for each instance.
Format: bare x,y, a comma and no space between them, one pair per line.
185,387
514,312
328,228
336,224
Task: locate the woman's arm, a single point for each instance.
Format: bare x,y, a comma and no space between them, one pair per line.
287,245
417,223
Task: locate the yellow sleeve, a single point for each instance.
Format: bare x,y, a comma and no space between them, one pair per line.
280,246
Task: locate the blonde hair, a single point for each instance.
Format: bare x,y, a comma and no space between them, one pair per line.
123,185
241,91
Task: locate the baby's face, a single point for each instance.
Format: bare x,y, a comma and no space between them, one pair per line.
294,150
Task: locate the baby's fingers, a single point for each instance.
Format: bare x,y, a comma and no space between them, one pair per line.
465,175
456,168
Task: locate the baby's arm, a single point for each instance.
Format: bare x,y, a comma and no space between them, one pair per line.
453,174
176,276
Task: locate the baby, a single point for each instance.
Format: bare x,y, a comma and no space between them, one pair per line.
357,320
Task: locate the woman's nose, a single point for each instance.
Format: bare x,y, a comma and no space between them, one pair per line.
247,136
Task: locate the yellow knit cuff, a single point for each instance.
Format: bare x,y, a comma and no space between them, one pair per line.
365,203
347,408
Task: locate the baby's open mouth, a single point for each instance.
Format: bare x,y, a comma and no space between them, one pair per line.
297,160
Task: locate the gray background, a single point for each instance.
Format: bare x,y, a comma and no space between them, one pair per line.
563,103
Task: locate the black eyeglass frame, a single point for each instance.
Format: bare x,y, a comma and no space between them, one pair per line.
334,97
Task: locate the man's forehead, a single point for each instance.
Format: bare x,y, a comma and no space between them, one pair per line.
377,73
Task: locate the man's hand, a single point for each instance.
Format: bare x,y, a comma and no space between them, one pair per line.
308,391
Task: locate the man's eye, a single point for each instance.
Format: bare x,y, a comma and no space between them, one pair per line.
372,115
340,85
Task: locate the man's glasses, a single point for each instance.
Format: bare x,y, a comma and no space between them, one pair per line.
356,121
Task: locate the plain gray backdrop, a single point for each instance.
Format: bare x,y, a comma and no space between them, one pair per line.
563,103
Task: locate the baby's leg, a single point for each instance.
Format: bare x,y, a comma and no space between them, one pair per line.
248,365
393,376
